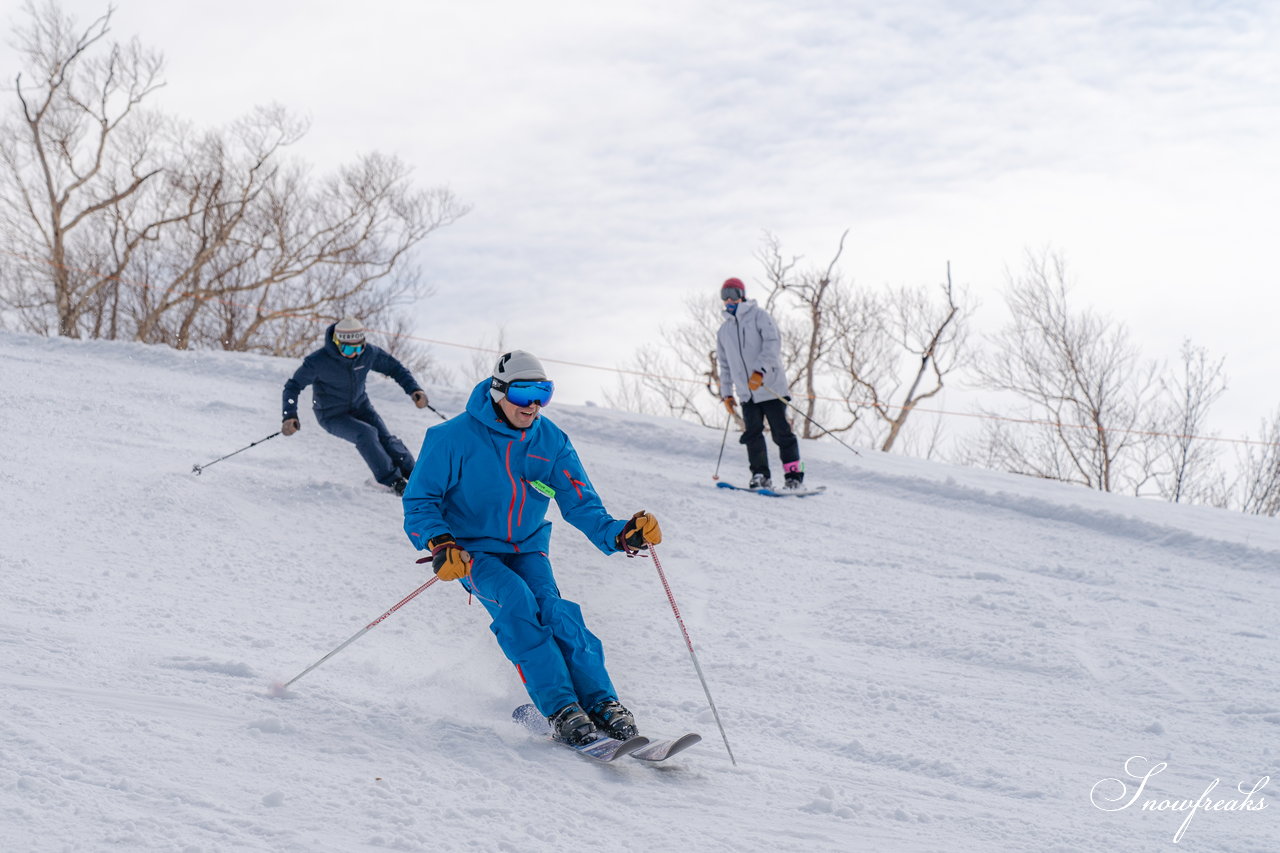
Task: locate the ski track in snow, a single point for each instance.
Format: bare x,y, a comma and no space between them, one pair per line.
924,658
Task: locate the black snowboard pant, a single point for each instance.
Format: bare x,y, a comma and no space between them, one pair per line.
754,415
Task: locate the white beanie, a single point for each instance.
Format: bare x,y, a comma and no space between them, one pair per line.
349,330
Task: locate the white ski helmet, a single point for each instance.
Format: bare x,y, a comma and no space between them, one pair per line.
512,366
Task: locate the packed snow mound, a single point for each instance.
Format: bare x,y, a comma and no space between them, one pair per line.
925,657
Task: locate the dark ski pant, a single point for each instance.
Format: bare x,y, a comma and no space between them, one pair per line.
541,633
754,415
386,455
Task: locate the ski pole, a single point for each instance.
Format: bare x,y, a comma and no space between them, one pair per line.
433,408
804,415
198,468
657,564
278,689
727,421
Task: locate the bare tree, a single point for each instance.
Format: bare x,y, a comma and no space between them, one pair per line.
483,357
286,257
834,342
1091,394
810,336
247,252
876,334
1260,465
127,225
397,337
64,160
660,378
201,259
1184,468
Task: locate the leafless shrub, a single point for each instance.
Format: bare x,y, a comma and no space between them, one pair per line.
127,225
658,379
76,146
880,335
1184,466
1088,390
1259,487
805,305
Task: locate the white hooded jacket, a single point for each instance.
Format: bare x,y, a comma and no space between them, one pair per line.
748,342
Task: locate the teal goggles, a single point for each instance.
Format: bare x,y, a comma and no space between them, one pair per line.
349,349
525,392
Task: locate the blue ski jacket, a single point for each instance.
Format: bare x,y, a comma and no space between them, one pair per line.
339,381
490,484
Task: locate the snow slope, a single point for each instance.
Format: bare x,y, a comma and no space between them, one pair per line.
924,658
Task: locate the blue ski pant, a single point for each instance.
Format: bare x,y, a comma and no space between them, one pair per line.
386,455
540,632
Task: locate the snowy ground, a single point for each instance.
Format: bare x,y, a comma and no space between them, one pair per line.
925,658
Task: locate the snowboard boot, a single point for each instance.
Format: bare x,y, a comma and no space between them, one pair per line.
614,720
399,485
760,481
794,481
572,725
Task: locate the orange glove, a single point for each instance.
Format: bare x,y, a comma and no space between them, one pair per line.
756,380
730,404
641,532
447,559
419,398
290,426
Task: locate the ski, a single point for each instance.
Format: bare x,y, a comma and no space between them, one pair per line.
603,748
775,493
661,750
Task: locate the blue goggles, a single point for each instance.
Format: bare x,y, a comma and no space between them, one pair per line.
525,392
348,349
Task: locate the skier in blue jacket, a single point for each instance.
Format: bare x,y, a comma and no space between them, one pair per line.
478,501
338,370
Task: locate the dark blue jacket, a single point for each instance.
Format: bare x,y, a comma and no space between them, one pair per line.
339,381
487,483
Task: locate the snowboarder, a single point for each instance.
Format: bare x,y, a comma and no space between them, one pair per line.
478,502
339,370
749,354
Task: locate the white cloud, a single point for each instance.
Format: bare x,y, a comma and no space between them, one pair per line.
619,158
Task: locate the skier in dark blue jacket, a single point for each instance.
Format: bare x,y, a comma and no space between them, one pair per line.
338,370
478,500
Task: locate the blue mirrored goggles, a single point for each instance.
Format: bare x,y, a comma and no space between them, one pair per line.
527,392
348,348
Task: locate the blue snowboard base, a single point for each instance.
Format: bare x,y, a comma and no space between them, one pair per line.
775,493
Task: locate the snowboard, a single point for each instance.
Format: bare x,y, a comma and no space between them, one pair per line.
603,748
639,747
775,493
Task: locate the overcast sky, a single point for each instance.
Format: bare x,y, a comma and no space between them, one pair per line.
619,157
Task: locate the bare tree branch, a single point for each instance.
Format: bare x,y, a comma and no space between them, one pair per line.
1081,375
